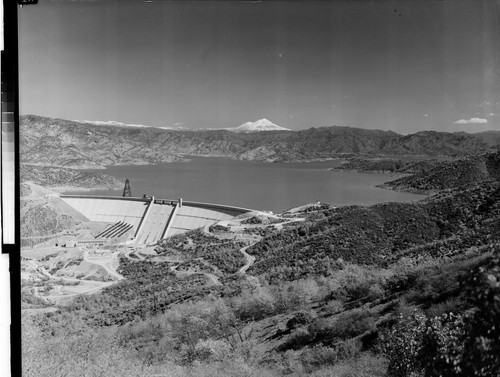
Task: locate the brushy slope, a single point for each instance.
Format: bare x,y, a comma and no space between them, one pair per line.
453,174
373,235
388,165
44,214
50,176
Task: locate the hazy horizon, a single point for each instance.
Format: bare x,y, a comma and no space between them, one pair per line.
405,67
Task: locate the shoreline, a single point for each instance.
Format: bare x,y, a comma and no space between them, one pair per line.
187,158
327,165
384,172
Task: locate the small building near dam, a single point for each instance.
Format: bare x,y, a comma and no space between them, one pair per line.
146,220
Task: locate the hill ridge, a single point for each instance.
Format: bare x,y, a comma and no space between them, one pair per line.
48,141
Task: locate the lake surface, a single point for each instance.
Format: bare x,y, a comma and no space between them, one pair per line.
256,185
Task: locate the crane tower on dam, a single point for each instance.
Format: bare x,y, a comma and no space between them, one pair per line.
127,193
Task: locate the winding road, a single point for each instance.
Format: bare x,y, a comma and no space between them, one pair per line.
250,259
107,259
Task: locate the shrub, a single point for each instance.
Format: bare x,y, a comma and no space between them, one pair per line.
321,356
366,365
299,319
419,345
321,327
353,323
254,305
212,350
358,291
300,338
334,307
344,326
401,282
451,305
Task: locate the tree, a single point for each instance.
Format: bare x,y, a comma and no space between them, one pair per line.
482,349
425,346
451,344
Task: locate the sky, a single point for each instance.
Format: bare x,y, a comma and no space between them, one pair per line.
405,66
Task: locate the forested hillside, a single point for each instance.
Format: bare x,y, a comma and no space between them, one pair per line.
388,165
451,174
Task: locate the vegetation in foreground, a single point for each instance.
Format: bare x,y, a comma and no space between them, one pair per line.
387,290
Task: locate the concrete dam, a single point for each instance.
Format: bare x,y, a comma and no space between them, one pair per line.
149,219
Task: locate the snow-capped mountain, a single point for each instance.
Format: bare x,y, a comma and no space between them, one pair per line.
258,126
248,127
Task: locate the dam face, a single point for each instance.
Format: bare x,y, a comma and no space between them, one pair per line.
108,209
150,219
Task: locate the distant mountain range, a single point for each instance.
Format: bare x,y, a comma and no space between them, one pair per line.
248,127
58,142
120,124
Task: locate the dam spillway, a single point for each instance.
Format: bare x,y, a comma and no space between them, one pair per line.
151,219
195,215
154,223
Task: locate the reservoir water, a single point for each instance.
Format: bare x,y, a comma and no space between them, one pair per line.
257,185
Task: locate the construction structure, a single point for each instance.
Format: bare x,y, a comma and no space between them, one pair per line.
146,220
127,193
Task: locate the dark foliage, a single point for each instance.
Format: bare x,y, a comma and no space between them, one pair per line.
440,226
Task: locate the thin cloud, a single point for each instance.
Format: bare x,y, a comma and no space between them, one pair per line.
471,121
426,115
